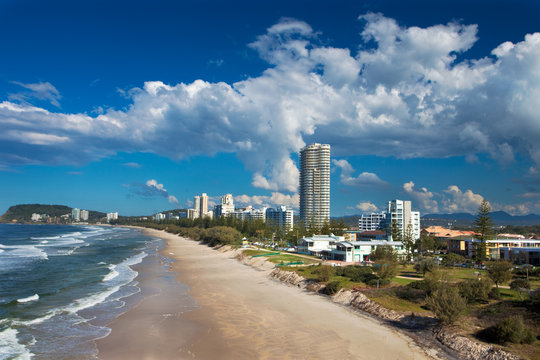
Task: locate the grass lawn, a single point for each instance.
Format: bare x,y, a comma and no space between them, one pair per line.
282,257
402,281
386,298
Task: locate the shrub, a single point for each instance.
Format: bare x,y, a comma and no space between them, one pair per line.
356,273
324,272
386,268
430,284
495,294
447,304
452,259
332,287
425,265
509,330
499,271
381,282
475,290
520,285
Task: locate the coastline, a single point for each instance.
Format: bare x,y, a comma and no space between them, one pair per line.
243,314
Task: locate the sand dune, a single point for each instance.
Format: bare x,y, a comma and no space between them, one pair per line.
245,315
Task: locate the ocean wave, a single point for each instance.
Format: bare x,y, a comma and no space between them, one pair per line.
111,275
10,348
125,276
45,237
23,251
28,299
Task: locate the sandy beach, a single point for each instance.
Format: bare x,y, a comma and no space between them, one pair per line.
242,314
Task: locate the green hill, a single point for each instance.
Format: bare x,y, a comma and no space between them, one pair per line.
23,213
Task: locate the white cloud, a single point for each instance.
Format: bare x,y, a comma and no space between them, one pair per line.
459,201
367,207
276,199
412,98
42,91
152,188
423,198
364,179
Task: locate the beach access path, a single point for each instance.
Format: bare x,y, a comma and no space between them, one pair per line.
243,314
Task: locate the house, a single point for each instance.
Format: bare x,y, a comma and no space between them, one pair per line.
359,251
318,245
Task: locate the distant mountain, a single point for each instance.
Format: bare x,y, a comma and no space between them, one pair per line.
23,213
498,217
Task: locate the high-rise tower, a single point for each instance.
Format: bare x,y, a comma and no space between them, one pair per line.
315,185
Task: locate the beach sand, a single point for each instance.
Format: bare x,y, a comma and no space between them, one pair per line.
243,314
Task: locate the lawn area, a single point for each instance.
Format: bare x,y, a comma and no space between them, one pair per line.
402,281
387,299
282,257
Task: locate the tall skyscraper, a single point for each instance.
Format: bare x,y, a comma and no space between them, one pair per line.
315,185
197,205
204,205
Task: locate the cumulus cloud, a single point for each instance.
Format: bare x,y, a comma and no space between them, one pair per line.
152,189
367,207
363,179
459,201
276,199
401,92
423,198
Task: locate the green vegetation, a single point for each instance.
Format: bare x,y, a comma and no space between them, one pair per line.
499,271
509,330
447,304
484,229
23,213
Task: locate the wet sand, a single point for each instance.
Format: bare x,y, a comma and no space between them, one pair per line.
243,314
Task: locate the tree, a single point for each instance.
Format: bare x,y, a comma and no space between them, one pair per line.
499,271
447,304
383,252
408,241
426,243
453,259
395,231
425,265
520,285
484,229
386,268
324,272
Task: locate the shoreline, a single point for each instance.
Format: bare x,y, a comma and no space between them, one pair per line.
244,314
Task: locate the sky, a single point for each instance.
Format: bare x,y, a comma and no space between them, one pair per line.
137,106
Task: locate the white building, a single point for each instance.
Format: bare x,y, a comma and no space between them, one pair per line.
359,251
112,216
249,213
280,217
159,217
226,207
318,245
315,185
84,215
203,210
400,212
75,215
36,217
372,222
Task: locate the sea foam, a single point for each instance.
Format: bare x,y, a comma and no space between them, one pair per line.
28,299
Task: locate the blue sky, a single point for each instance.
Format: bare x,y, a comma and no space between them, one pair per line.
136,106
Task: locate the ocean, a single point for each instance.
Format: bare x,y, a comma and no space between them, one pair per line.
61,285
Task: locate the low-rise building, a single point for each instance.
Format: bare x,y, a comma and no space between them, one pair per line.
318,245
359,251
468,246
